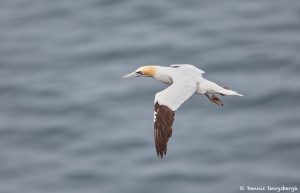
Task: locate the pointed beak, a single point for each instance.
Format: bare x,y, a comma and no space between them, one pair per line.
133,74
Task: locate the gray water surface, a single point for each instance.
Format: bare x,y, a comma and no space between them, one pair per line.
70,124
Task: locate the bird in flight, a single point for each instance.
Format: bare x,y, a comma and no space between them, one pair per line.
184,81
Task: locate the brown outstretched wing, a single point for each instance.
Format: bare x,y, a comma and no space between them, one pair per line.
163,121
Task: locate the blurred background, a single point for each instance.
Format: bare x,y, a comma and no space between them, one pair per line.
69,123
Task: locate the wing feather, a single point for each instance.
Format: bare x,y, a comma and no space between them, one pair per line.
162,128
166,102
189,66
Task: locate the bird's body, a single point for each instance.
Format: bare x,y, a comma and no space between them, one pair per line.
184,81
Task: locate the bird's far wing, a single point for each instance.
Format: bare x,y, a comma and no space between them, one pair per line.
176,65
187,66
165,104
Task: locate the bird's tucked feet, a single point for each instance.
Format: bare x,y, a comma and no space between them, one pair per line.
213,98
216,100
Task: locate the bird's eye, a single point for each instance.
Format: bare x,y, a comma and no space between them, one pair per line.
140,72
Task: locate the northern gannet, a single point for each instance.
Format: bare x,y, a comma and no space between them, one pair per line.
184,81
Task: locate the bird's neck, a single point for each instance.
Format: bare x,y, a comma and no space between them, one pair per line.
163,74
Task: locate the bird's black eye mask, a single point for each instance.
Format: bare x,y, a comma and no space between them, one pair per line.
139,72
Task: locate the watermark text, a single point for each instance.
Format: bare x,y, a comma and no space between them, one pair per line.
270,188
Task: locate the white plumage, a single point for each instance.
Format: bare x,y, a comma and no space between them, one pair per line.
182,88
185,80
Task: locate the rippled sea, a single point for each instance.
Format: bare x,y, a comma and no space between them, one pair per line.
70,124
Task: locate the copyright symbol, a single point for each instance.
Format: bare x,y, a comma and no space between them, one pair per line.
242,188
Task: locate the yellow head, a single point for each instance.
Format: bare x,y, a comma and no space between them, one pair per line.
144,71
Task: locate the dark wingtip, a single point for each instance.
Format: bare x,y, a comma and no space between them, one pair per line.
162,128
159,155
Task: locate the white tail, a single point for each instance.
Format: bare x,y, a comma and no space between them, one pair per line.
229,92
214,88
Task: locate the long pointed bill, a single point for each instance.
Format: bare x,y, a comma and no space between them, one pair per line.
133,74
